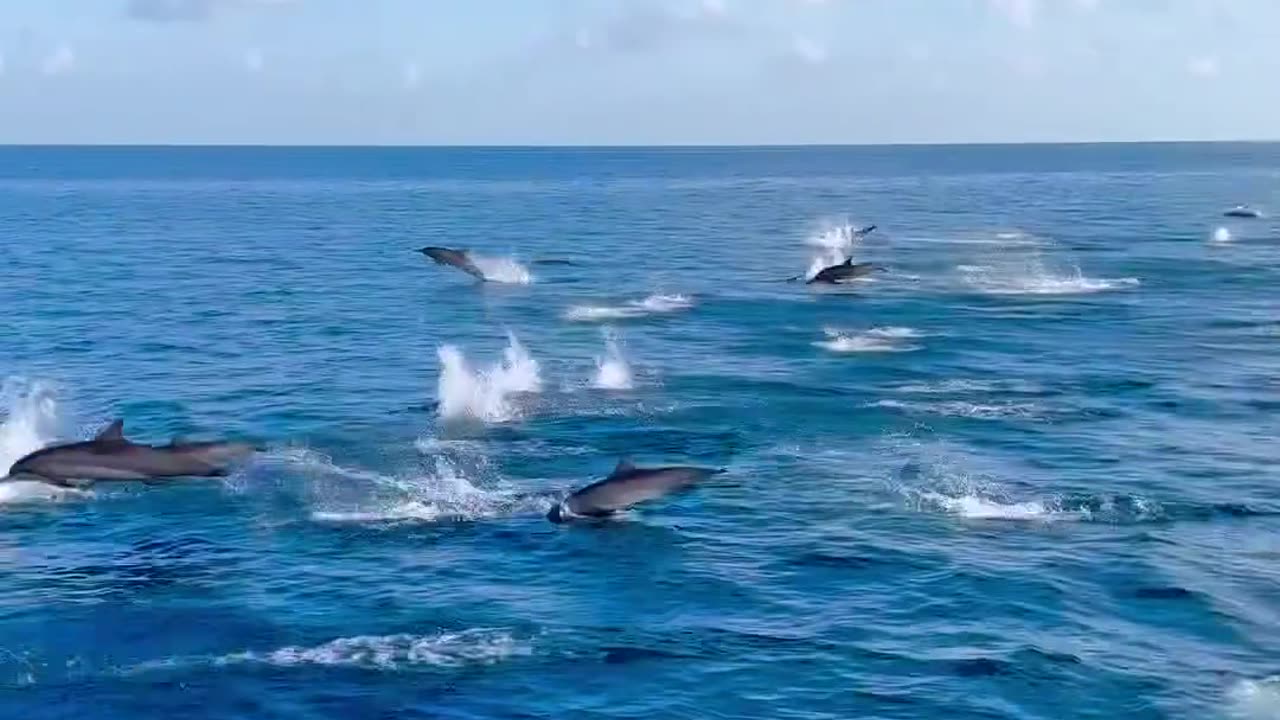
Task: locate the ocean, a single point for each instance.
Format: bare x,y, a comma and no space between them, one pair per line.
1028,471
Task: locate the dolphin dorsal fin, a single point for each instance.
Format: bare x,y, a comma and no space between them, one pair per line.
113,433
624,466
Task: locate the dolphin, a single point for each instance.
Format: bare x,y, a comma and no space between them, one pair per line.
626,486
856,234
844,272
110,456
1241,211
454,257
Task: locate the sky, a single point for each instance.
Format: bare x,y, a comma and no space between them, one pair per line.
626,72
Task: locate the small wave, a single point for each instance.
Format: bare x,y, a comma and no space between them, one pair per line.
976,499
597,313
835,243
656,304
17,492
959,385
31,419
1255,699
960,408
612,370
659,303
893,332
1222,235
875,340
502,270
1032,278
389,653
976,507
485,394
445,492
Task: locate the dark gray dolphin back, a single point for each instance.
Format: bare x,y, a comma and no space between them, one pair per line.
112,434
111,456
628,485
847,270
454,258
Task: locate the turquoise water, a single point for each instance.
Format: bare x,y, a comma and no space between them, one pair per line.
1029,472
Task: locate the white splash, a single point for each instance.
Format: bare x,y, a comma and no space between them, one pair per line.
1032,278
975,507
875,340
394,652
656,304
1255,699
962,385
961,408
1222,235
485,394
30,418
30,422
1020,269
501,269
390,653
445,494
612,370
445,490
835,245
953,491
659,303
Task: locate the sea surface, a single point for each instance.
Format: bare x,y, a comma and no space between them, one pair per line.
1027,472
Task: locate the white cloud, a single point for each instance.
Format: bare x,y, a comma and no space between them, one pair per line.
411,75
918,52
808,50
1204,66
715,8
1028,65
1021,13
189,10
644,27
253,60
61,60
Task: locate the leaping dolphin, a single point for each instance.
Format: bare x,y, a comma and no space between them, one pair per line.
1242,211
453,257
626,486
844,272
841,272
110,456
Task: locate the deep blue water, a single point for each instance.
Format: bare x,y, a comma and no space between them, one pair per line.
1028,472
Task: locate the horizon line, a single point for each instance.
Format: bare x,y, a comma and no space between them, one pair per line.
633,146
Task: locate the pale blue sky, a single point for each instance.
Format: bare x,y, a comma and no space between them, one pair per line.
637,71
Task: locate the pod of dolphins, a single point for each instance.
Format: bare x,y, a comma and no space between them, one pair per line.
110,456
